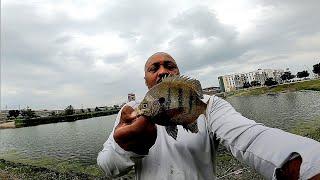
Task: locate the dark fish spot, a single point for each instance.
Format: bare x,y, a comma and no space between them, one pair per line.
162,100
180,97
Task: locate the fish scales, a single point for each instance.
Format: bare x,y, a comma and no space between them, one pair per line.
174,101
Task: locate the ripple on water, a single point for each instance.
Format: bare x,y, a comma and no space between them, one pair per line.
280,111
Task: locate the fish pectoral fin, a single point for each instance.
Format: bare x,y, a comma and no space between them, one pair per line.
193,127
172,131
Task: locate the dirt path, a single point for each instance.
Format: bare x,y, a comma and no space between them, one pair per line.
7,175
7,125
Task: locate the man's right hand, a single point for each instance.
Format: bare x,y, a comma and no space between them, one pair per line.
136,134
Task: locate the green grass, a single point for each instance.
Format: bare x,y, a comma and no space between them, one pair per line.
12,170
50,164
308,129
313,85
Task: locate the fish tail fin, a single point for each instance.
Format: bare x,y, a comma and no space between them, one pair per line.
172,131
193,127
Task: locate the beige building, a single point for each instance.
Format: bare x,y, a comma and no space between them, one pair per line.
236,81
131,97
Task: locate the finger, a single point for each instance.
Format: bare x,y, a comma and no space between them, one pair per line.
127,132
126,114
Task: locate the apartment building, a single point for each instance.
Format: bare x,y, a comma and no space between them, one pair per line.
227,83
236,81
131,97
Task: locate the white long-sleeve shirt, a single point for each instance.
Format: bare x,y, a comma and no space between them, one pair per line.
193,155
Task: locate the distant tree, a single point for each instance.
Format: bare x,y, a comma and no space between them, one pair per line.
287,76
13,113
246,85
89,110
97,109
69,110
53,113
302,74
28,113
255,83
270,82
316,69
82,110
116,106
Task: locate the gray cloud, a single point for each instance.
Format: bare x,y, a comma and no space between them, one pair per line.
53,56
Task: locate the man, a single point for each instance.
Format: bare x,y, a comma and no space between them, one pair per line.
136,142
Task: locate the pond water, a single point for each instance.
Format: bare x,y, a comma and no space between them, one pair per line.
80,141
283,110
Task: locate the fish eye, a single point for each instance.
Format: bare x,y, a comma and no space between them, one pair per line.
145,105
161,100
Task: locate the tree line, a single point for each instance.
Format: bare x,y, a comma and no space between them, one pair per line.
28,113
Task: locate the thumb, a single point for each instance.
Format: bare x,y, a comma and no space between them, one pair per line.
133,115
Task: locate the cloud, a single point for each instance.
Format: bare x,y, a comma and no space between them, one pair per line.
57,53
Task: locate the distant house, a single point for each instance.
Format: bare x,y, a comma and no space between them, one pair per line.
131,97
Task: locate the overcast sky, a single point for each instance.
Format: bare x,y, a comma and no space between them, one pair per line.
91,53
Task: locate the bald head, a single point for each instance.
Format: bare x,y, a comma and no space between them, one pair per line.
156,55
157,66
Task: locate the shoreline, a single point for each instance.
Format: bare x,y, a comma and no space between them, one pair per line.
20,123
15,170
310,85
7,125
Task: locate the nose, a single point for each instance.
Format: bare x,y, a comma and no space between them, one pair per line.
162,70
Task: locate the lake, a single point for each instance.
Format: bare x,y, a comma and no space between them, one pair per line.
80,141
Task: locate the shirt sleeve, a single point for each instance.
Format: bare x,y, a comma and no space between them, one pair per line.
264,149
114,160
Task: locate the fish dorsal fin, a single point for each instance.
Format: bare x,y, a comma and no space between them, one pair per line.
184,80
172,131
193,127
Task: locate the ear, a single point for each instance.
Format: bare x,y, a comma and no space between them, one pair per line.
145,81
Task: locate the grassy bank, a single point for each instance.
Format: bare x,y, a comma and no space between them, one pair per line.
50,164
301,85
16,166
14,170
61,118
308,129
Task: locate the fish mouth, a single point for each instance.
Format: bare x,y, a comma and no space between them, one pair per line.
162,76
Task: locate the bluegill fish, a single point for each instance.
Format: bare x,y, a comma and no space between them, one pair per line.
176,100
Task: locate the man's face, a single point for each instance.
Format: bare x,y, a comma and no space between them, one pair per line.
157,67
